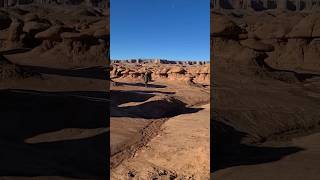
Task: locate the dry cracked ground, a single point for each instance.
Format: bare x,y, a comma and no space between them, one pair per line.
266,88
162,131
54,92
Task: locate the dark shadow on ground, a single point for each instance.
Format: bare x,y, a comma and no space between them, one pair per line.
227,150
159,92
97,72
156,109
92,72
121,97
15,51
25,114
141,85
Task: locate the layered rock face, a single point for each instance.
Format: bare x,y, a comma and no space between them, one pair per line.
270,40
70,34
199,74
161,61
266,67
296,5
12,3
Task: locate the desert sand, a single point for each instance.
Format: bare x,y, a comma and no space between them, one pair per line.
266,90
166,132
54,92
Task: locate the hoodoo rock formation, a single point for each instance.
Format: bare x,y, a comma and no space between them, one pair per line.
274,40
189,72
54,90
267,4
76,35
266,86
11,3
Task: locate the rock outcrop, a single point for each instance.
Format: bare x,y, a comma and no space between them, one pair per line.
55,35
169,72
259,5
269,41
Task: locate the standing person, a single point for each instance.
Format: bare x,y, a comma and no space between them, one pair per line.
147,77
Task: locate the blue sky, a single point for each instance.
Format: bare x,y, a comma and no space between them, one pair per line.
167,29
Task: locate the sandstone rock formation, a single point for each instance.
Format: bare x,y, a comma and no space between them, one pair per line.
265,82
11,3
296,5
55,35
273,39
168,72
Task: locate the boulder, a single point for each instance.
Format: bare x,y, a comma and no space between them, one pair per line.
30,17
164,71
15,30
193,70
272,31
289,55
52,34
178,70
33,27
304,28
222,26
75,36
17,11
269,26
257,45
243,36
231,54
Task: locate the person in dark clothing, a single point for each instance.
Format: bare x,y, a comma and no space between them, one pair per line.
147,78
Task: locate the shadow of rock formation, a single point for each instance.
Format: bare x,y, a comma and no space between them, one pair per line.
227,150
25,114
141,85
165,107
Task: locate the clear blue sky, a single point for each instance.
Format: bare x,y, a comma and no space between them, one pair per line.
168,29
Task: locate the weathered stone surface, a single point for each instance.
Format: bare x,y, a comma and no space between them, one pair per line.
304,28
33,27
31,17
178,70
222,26
257,45
15,30
53,33
74,36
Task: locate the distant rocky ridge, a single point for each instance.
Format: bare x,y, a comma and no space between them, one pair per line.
296,5
161,61
191,74
94,3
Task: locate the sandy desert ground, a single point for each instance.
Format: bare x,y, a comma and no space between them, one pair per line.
161,131
266,90
54,92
